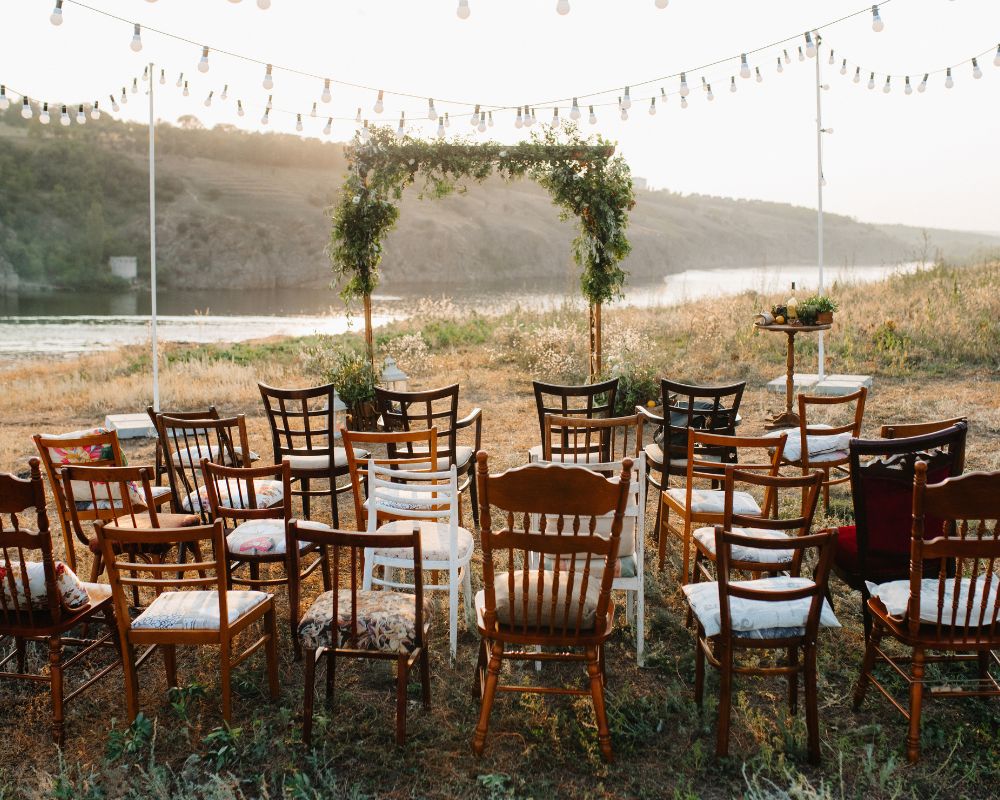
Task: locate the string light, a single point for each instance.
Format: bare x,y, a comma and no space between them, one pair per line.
489,119
56,17
843,67
357,117
114,104
781,68
592,119
923,84
684,102
298,123
662,3
263,5
312,112
26,111
685,91
447,120
364,133
440,130
481,127
64,117
810,45
977,73
268,81
187,92
402,123
949,82
379,105
624,111
225,94
518,120
555,117
908,89
788,58
652,106
744,67
877,24
760,78
732,83
871,81
996,58
463,9
95,112
81,116
4,100
832,59
857,74
267,116
801,56
328,127
710,95
574,112
431,113
203,62
135,86
163,77
43,115
125,96
626,103
562,7
136,43
888,85
145,74
208,100
180,80
325,97
239,108
474,119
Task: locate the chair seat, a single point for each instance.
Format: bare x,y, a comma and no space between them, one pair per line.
463,455
144,522
895,596
537,452
184,456
512,613
159,491
233,494
435,542
196,610
654,456
879,564
706,538
712,501
387,621
260,537
832,447
403,499
69,589
755,615
321,463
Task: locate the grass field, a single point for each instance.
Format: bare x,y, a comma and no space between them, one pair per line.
932,341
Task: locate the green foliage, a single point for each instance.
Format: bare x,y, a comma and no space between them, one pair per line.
181,698
637,385
822,303
346,369
222,746
130,743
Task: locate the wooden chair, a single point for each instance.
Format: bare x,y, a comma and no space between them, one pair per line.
707,506
876,549
527,605
95,447
824,447
708,408
437,408
185,611
905,430
41,600
590,401
256,534
602,445
954,612
161,464
782,613
751,559
377,624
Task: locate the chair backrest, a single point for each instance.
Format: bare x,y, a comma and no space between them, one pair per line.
805,488
22,601
582,440
397,443
882,474
393,491
709,408
207,413
830,405
591,401
301,420
413,411
111,493
233,496
577,498
904,430
354,543
967,601
186,442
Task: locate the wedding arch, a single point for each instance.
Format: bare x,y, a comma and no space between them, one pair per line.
584,177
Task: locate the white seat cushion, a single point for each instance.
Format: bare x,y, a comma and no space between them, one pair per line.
463,454
159,491
509,613
654,453
755,615
706,537
711,501
195,610
537,452
321,463
435,541
233,494
895,595
259,537
820,447
403,499
184,456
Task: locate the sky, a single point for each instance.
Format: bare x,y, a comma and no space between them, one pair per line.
926,159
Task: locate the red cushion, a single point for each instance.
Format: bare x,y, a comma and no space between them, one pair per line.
878,563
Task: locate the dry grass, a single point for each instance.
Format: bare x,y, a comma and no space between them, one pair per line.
938,359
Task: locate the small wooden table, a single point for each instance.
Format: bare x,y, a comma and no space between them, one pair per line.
788,418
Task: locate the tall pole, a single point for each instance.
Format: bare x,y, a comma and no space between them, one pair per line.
152,241
819,194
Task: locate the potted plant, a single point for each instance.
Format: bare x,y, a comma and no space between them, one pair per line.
808,314
824,306
355,380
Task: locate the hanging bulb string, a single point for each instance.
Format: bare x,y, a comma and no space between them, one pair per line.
921,72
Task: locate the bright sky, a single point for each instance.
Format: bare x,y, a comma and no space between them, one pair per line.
925,159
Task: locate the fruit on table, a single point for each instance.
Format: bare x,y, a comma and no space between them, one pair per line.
779,320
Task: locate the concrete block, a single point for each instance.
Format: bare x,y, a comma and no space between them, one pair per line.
804,381
131,426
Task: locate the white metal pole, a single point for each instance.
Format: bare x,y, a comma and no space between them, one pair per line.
152,241
819,193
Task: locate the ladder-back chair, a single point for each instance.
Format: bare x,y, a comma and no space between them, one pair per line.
590,401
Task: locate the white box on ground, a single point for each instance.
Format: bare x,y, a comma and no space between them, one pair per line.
832,385
131,426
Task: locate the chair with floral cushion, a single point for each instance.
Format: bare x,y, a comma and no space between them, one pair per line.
41,600
589,401
876,548
258,535
184,609
947,609
540,588
376,624
161,463
707,506
782,613
94,447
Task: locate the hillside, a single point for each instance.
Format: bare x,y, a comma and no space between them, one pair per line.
247,210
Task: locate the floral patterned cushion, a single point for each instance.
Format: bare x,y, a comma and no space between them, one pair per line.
82,455
192,456
513,613
739,552
710,501
896,597
71,591
195,610
755,615
233,494
258,537
434,541
821,448
387,621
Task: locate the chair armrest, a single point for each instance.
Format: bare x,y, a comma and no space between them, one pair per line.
650,417
474,416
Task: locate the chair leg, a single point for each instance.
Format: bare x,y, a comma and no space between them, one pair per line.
271,651
56,680
474,493
131,681
425,677
479,677
227,681
453,612
96,568
725,700
812,705
331,676
307,695
793,681
401,676
699,672
685,566
868,663
826,490
640,621
597,692
334,508
292,622
325,565
663,521
470,614
489,695
170,663
304,483
916,701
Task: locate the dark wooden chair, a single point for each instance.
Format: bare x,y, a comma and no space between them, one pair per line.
161,464
437,408
903,430
185,610
948,609
541,599
377,624
590,401
257,535
36,595
877,548
781,613
709,408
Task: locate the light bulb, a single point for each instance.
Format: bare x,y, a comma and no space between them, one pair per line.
857,74
239,108
888,85
43,115
431,113
843,67
95,112
684,102
996,58
357,117
136,44
574,112
518,120
810,45
652,106
489,119
463,9
440,130
474,117
402,125
788,58
593,117
555,118
266,118
760,78
949,82
710,95
163,77
312,113
81,115
923,84
562,7
208,100
447,120
732,83
627,100
268,82
624,114
114,104
203,63
977,73
26,111
662,3
56,17
328,127
135,86
186,92
744,66
263,5
379,105
781,67
180,80
298,123
225,93
908,88
685,91
531,119
832,59
871,81
325,97
364,133
481,127
4,100
877,24
801,56
64,117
